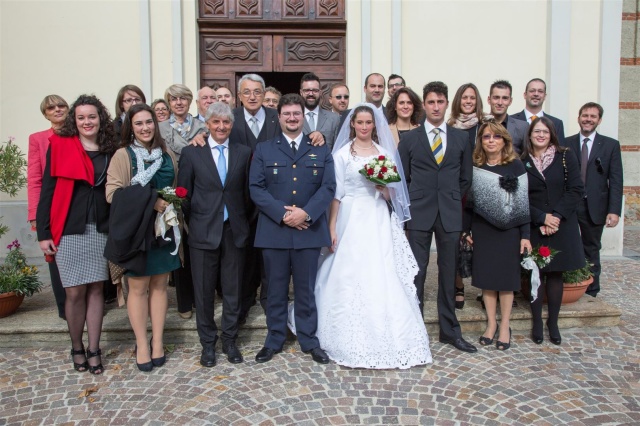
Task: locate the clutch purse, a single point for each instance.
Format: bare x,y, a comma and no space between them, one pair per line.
465,257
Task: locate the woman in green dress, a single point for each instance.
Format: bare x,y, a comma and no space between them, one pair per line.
144,160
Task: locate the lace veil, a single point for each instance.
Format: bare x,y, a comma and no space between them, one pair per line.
397,190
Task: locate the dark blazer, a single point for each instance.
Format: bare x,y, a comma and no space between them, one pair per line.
327,124
206,196
557,123
551,194
241,132
518,130
279,178
436,189
604,176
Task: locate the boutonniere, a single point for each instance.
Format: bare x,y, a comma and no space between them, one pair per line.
528,165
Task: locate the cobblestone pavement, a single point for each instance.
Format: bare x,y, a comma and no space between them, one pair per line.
593,378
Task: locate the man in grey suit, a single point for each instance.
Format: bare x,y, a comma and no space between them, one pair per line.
438,168
316,118
534,95
499,100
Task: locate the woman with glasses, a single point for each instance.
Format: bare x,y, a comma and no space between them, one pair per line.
555,189
160,109
55,109
73,220
404,110
128,96
496,219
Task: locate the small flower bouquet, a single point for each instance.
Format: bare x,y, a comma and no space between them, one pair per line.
173,196
540,257
380,171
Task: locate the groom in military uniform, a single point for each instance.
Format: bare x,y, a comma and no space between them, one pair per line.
292,183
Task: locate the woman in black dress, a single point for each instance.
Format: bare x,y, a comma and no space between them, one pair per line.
555,189
497,214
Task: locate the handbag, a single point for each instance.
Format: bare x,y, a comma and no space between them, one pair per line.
465,257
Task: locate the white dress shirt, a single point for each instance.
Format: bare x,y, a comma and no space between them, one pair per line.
589,144
528,115
215,152
316,113
428,127
297,140
260,115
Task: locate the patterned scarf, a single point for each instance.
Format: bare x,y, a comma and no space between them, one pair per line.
467,121
545,159
143,176
182,128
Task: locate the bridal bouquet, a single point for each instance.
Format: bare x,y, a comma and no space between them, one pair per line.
540,257
173,196
380,171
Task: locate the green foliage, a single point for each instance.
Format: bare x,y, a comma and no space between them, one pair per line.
579,275
12,168
16,275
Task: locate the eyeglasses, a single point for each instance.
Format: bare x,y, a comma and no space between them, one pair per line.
52,107
289,114
488,137
339,97
162,109
540,132
180,98
394,85
314,91
132,101
256,93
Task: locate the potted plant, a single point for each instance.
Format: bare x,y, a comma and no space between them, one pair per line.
576,283
17,278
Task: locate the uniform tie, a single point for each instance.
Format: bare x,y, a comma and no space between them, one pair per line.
293,147
436,146
222,171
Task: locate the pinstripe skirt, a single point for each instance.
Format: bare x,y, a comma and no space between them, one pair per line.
80,258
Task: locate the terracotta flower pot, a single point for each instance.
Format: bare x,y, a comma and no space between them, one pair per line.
574,291
9,303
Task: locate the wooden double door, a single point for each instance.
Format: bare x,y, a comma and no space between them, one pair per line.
278,39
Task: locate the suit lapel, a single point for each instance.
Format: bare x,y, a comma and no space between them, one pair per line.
232,161
284,146
207,160
448,149
424,141
531,168
596,148
303,149
322,117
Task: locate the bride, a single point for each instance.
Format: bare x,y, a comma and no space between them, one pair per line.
368,315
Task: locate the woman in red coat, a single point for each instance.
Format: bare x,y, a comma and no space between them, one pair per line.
55,109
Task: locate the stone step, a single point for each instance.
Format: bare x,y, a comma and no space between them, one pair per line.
36,323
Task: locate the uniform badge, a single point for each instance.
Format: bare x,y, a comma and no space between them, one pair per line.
313,156
275,171
315,173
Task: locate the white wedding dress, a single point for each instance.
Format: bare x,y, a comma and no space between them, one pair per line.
368,314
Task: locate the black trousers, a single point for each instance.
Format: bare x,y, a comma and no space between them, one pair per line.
591,234
227,261
447,245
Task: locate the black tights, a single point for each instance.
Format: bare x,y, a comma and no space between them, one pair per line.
551,284
85,304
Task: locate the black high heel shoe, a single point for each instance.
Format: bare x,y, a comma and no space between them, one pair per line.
95,369
554,336
80,367
157,362
485,341
537,340
145,367
502,346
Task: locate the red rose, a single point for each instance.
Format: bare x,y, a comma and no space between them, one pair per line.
544,251
181,192
370,172
395,169
381,158
383,170
380,176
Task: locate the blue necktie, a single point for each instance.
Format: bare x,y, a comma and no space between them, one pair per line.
222,171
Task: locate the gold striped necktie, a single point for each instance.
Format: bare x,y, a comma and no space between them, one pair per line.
436,146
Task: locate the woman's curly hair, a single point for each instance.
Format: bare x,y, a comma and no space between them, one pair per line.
107,139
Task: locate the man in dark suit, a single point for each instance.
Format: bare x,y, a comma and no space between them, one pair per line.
316,118
216,177
534,95
292,183
499,100
601,171
437,164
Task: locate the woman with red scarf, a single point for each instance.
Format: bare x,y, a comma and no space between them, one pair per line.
73,220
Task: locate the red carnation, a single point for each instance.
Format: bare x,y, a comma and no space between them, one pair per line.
544,251
370,172
381,158
181,192
383,169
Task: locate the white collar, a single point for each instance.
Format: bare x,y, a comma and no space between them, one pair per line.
591,137
297,140
428,127
528,114
316,111
260,115
213,143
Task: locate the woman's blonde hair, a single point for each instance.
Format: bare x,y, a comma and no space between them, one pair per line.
507,154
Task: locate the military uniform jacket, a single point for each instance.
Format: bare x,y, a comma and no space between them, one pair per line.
278,178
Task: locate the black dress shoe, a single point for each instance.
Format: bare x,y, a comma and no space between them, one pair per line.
208,357
459,343
318,355
233,354
266,354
